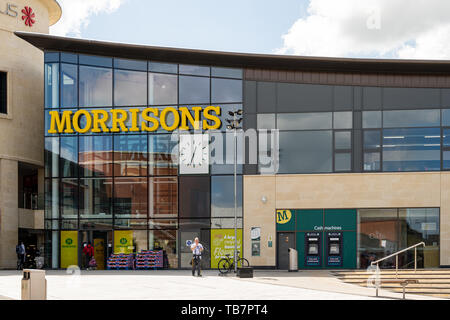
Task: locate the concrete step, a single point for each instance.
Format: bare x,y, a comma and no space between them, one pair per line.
430,283
382,276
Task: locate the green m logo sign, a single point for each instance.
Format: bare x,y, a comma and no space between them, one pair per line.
69,241
123,241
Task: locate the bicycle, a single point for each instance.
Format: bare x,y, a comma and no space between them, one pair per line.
225,265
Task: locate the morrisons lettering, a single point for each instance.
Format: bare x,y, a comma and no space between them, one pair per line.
134,120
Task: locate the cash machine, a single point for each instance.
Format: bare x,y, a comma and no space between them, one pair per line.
313,249
334,247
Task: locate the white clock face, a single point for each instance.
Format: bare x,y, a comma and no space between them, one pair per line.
194,153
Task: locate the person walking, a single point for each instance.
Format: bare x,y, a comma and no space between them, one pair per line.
20,250
88,251
196,249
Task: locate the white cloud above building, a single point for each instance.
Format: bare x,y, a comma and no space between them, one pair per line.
418,29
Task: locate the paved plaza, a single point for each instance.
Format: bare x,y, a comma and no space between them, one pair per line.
179,284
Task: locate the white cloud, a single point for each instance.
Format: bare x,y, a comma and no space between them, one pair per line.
418,29
76,15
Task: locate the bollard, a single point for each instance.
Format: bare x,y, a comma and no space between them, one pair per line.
34,285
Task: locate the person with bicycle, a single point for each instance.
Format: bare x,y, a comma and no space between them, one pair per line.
197,249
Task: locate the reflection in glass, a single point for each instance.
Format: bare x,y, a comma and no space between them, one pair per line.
193,90
162,89
411,149
130,64
69,156
343,120
124,224
372,139
163,197
95,86
222,196
69,198
95,156
130,155
305,151
226,72
194,70
446,160
130,197
372,161
194,197
226,90
304,121
342,162
69,86
411,118
130,88
162,67
163,154
266,121
51,157
371,119
342,140
225,223
95,198
163,224
52,85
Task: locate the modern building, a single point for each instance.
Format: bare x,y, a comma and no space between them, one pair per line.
356,168
21,126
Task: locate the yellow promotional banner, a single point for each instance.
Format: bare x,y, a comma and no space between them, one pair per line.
222,243
69,248
123,241
99,253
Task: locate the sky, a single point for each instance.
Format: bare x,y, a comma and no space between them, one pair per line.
403,29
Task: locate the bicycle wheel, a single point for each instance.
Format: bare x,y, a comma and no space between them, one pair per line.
243,263
224,266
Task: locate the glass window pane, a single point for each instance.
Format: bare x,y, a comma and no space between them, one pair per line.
130,155
446,138
446,160
52,85
371,119
226,72
194,70
222,196
189,230
162,89
305,152
96,224
69,87
411,118
95,87
163,223
371,161
167,241
342,140
95,156
130,64
163,194
411,149
95,60
372,139
51,157
222,152
69,198
446,117
69,57
130,88
163,149
194,90
304,121
343,120
95,198
226,90
51,56
266,121
129,224
130,198
69,156
162,67
225,223
342,161
194,197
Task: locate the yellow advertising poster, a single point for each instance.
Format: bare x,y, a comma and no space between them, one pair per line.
99,253
123,241
222,243
69,248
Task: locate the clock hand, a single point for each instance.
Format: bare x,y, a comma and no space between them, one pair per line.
193,154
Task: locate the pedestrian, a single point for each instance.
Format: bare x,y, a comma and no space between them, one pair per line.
197,249
88,251
20,250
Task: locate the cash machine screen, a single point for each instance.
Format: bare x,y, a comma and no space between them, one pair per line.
334,248
313,248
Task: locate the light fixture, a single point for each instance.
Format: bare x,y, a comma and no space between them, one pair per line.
263,199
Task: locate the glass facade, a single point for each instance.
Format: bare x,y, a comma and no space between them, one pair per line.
126,187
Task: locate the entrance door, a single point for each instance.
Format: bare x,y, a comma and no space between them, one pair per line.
285,241
102,243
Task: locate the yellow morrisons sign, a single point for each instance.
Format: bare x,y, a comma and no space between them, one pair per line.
129,120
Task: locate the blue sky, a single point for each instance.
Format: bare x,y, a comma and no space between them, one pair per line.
232,25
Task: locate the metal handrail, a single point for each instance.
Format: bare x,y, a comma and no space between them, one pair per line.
396,257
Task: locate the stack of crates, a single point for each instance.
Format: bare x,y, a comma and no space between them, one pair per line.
149,259
120,261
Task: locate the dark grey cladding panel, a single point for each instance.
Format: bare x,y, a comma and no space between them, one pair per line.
357,151
266,97
343,98
357,98
445,98
249,121
372,98
250,96
411,98
292,97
